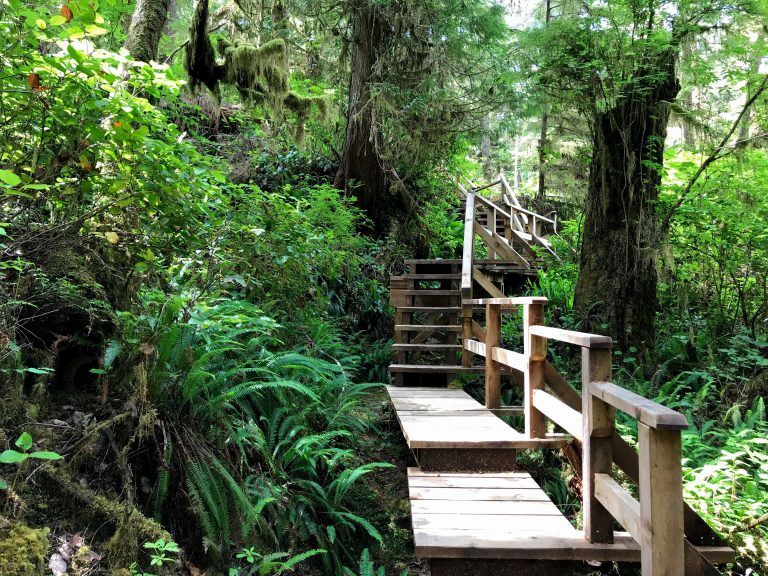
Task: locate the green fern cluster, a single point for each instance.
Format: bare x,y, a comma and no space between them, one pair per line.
255,440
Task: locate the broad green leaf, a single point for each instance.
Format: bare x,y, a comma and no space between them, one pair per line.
9,178
3,484
38,370
57,20
46,456
94,30
25,441
12,457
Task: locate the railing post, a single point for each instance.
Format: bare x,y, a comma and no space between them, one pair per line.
492,368
598,420
535,349
492,229
661,502
468,258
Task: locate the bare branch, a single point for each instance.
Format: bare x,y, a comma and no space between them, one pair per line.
716,154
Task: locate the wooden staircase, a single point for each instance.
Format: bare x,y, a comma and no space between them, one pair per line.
473,511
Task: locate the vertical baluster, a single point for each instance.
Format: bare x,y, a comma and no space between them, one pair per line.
661,502
597,457
536,355
492,368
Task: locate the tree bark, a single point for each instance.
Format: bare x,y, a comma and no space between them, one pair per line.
146,28
617,281
485,147
541,190
361,171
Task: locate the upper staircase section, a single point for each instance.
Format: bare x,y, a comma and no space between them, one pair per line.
508,233
503,244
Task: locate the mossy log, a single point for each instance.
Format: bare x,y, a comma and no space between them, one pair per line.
132,528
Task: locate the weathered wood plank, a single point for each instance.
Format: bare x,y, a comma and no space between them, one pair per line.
475,347
487,507
619,503
414,472
513,301
515,525
434,328
521,480
436,543
511,359
559,412
492,368
486,283
646,411
425,369
438,392
582,339
516,494
536,354
598,420
661,502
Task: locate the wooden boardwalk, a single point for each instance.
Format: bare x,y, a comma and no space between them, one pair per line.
474,512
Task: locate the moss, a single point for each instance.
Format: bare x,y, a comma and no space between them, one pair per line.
23,551
258,71
132,527
199,55
302,106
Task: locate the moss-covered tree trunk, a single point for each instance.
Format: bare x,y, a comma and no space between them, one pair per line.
361,170
146,28
617,281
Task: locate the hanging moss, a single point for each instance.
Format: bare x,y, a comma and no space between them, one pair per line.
259,73
302,106
199,56
23,551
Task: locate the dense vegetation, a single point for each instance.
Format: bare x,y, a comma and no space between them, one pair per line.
201,205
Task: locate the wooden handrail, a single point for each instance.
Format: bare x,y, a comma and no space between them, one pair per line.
510,301
643,410
582,339
657,520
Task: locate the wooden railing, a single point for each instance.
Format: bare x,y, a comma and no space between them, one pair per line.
659,521
522,230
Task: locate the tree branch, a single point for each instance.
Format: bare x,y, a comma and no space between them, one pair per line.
716,154
754,523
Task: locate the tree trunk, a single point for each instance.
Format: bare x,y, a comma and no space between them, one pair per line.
361,172
541,190
485,147
146,28
617,281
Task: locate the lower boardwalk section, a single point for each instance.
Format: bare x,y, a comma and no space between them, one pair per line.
449,430
502,523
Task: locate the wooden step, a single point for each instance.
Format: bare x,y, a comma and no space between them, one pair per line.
425,369
442,309
425,327
425,347
432,261
431,276
432,292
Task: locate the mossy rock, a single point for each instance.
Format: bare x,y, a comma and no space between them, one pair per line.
24,551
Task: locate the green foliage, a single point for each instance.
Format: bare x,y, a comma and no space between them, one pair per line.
18,457
230,404
275,563
717,265
366,567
